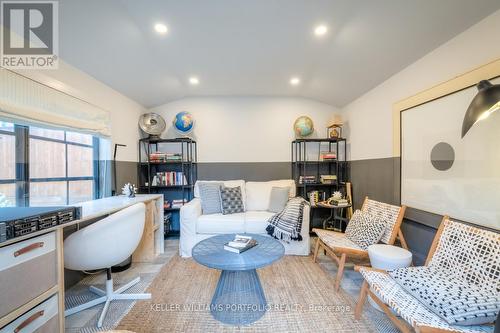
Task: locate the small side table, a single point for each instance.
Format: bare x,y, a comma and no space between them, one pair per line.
388,258
334,216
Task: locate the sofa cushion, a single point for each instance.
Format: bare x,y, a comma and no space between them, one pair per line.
221,224
231,200
257,221
210,197
452,298
364,229
278,199
258,194
227,183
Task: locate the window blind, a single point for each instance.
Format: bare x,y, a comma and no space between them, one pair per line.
26,101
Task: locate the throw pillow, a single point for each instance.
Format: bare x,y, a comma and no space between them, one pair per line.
278,199
364,229
452,298
210,197
231,200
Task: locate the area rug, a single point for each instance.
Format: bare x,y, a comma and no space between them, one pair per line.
299,294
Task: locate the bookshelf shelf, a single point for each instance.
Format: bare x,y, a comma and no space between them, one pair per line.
161,187
316,185
166,163
317,162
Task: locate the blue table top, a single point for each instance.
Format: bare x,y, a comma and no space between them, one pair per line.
210,252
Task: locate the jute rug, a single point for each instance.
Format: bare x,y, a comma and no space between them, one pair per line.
299,294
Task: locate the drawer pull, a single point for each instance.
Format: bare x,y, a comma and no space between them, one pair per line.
28,321
28,248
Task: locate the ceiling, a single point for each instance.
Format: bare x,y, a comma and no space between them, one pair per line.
253,48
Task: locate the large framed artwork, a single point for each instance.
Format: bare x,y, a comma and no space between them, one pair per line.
441,172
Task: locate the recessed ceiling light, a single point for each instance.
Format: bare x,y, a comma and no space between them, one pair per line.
320,30
294,81
161,28
194,80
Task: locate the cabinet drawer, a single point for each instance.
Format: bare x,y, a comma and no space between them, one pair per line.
43,318
27,269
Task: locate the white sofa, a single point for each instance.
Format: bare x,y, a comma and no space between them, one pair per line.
256,195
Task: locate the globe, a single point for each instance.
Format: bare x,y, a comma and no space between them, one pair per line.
183,122
303,126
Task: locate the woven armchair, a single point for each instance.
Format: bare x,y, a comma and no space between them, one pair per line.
339,248
458,251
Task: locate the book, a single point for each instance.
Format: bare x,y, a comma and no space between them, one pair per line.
340,202
161,157
169,178
326,156
307,179
240,241
251,243
328,179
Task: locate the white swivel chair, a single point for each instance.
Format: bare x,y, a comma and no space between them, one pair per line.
104,244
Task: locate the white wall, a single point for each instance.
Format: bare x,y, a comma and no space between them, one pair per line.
124,112
369,118
246,129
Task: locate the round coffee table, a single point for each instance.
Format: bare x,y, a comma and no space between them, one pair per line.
238,298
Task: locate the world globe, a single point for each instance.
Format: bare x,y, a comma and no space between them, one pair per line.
183,122
303,126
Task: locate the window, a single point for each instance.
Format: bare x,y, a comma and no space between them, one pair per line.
7,165
54,167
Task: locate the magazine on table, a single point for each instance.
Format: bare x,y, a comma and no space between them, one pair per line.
240,244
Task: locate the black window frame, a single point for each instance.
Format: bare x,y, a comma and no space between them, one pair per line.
22,156
13,180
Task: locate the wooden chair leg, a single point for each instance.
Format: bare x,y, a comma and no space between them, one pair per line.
340,271
316,249
361,301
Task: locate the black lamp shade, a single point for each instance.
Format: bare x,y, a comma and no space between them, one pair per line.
486,100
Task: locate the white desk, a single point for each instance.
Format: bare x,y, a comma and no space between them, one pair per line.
151,245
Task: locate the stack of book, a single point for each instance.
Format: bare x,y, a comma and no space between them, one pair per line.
169,179
307,179
328,179
340,202
240,244
160,157
178,203
328,156
173,157
157,157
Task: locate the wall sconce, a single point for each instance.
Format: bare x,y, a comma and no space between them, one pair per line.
484,103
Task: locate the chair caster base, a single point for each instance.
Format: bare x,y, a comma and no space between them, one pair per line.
106,296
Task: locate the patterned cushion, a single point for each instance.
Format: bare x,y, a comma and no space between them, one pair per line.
387,213
364,229
231,200
210,197
409,308
454,299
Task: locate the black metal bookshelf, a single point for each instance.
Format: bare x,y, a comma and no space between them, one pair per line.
186,165
306,161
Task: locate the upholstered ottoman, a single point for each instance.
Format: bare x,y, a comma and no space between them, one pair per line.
388,258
